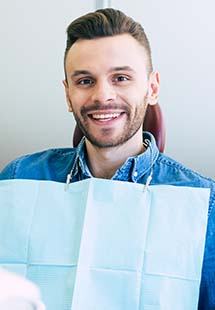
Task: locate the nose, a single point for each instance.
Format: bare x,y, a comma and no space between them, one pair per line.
103,92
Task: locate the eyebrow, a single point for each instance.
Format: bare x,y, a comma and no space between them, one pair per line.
86,72
80,72
123,68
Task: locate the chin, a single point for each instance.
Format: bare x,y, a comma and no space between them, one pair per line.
106,143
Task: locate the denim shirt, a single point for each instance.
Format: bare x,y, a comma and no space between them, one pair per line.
56,164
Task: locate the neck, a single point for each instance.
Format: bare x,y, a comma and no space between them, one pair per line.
104,162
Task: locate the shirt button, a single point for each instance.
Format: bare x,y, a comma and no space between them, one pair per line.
135,174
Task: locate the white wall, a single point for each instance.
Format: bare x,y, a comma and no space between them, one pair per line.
33,112
182,40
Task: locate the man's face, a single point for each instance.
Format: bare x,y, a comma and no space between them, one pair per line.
106,88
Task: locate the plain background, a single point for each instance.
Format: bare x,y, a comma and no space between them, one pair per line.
33,112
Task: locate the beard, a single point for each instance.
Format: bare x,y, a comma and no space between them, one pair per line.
132,125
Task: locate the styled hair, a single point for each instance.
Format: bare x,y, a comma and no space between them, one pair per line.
105,23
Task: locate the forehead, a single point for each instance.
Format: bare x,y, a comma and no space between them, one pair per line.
115,51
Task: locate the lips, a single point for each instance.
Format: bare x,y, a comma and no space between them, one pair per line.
105,117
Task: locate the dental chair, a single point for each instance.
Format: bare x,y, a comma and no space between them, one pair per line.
153,122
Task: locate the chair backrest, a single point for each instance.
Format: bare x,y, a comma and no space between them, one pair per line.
153,122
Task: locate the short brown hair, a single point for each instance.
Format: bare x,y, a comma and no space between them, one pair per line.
104,23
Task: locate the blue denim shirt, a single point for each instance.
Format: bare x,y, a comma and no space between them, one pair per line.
56,164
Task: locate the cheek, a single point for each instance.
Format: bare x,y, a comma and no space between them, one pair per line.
142,87
128,96
78,97
133,94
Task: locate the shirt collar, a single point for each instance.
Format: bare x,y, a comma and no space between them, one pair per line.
134,167
80,163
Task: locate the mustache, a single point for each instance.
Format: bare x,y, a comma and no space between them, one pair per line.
99,106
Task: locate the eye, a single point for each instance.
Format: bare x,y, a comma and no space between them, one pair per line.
121,78
85,82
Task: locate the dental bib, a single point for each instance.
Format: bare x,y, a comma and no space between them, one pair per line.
105,245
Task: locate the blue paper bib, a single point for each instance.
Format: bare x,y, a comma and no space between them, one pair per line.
105,245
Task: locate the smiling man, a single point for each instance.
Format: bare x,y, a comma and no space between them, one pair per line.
108,91
109,82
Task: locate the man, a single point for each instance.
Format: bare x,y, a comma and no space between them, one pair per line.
109,82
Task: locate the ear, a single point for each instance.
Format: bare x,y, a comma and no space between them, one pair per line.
66,88
154,88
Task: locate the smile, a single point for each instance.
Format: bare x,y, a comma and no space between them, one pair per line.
104,117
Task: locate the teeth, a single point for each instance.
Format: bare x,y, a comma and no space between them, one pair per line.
105,116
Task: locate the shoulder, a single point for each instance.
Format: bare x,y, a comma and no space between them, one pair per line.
40,165
179,172
170,171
